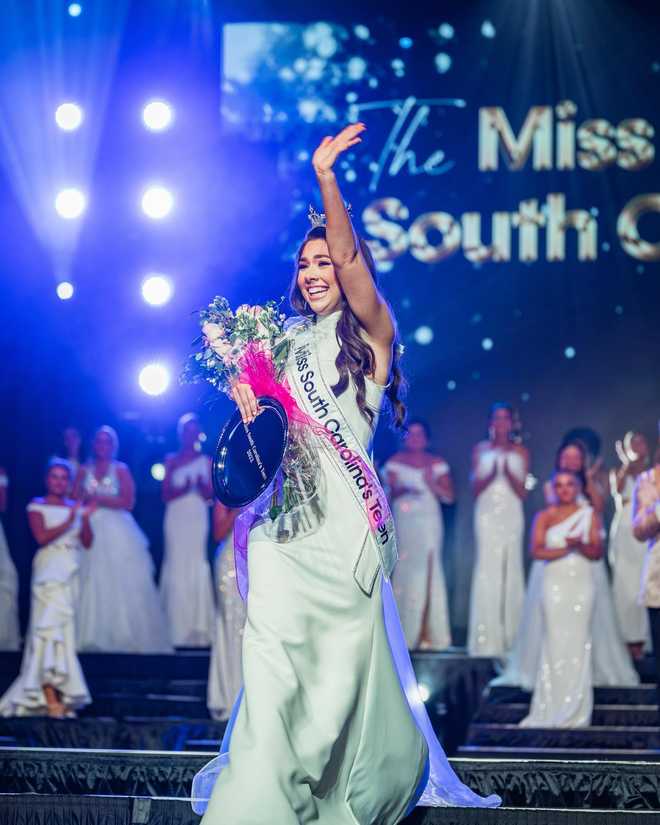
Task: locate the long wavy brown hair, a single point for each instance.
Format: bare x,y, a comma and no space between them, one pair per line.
356,359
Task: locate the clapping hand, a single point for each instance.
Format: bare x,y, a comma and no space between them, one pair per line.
330,148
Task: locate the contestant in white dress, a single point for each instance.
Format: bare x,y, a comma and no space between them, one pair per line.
51,681
567,540
329,727
120,609
9,632
499,471
611,661
186,585
626,554
225,670
418,481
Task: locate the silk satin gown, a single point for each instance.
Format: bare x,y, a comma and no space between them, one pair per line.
419,580
626,556
498,582
186,586
50,646
225,673
323,732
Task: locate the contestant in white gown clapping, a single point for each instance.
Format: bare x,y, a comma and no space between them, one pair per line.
567,539
185,583
51,681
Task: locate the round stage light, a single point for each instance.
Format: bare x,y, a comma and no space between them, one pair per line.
154,379
569,352
64,290
75,9
68,116
424,691
487,344
423,335
157,115
157,202
158,471
70,203
156,290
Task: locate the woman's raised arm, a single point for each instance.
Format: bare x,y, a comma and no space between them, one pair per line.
350,266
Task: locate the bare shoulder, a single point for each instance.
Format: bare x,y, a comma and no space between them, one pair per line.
122,468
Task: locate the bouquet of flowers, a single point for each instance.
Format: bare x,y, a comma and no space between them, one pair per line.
229,339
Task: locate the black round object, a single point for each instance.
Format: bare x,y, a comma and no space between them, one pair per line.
248,456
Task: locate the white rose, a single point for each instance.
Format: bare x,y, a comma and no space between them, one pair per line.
212,332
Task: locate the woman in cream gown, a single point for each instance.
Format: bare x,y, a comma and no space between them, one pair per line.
9,633
51,681
186,585
225,672
626,554
567,540
499,471
418,482
611,662
120,610
324,726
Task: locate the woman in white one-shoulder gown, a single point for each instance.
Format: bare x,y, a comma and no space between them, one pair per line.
186,585
626,554
51,680
499,472
225,669
418,481
120,609
9,632
612,665
567,540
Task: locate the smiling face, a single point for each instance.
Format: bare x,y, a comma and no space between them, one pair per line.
58,481
316,278
566,487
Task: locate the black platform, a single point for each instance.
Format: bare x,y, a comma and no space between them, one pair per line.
624,726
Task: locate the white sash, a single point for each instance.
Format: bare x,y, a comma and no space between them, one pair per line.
345,451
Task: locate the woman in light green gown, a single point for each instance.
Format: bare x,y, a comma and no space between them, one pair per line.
324,731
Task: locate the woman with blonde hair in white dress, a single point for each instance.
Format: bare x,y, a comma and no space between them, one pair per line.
9,632
567,540
51,681
626,554
225,671
418,482
499,472
186,585
120,610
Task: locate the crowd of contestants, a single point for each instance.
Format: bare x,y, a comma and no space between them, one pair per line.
573,625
